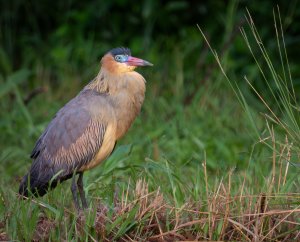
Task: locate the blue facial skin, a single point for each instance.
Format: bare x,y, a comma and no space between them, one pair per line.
121,58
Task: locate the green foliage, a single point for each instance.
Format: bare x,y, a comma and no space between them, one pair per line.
199,132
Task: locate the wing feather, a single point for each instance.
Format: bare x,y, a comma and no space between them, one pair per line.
70,141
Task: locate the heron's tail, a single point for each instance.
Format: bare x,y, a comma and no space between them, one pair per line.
39,180
36,186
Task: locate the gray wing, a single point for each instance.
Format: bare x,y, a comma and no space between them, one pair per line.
71,140
74,136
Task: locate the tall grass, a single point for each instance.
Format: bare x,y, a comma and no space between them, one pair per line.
282,105
286,116
190,172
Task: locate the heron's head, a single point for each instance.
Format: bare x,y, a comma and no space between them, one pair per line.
120,60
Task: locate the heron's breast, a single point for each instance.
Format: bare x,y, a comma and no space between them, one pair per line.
105,150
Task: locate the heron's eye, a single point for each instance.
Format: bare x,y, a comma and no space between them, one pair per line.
120,58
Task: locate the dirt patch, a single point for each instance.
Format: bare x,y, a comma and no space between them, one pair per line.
43,229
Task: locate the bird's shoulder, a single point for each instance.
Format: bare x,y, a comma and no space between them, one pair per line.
86,109
89,101
98,105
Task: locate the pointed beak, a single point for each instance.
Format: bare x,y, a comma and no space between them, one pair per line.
133,61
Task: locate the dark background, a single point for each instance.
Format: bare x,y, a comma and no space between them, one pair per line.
51,33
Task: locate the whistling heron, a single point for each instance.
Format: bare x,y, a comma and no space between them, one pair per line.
84,132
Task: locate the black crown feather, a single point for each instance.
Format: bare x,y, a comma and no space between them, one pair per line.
120,51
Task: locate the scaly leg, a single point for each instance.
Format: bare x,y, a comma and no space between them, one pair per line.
81,191
74,193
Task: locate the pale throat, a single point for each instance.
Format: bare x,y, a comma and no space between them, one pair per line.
126,92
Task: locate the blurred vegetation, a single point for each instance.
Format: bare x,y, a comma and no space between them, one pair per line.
49,50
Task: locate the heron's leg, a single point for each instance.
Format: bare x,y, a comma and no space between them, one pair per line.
81,191
74,193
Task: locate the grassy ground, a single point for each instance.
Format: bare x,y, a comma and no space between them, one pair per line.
221,166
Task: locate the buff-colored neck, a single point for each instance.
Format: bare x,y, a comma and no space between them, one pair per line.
112,83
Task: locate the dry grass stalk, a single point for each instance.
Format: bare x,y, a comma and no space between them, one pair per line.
150,217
